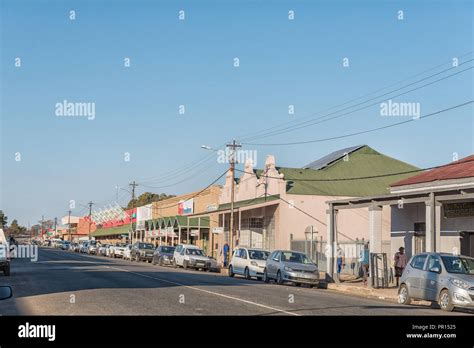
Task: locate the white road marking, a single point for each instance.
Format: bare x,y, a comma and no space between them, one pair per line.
207,291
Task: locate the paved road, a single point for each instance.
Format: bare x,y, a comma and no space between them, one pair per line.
67,283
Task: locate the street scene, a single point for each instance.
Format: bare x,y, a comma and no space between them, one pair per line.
238,159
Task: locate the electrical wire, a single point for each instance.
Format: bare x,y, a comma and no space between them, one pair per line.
363,132
323,118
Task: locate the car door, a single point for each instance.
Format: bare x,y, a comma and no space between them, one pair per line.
415,274
237,261
431,282
243,259
272,267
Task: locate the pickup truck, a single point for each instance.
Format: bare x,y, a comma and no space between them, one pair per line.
4,255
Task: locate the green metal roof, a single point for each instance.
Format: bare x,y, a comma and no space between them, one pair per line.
363,162
112,231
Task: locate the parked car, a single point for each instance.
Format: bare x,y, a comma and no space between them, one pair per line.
248,262
439,277
102,249
4,255
190,256
291,266
92,247
127,253
163,255
118,250
142,251
65,245
109,251
78,246
84,248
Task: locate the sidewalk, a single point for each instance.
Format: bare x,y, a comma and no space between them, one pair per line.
352,286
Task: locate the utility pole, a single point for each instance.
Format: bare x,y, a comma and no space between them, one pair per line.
233,147
69,224
90,213
133,184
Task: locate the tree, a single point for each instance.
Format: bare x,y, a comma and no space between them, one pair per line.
15,229
3,219
147,198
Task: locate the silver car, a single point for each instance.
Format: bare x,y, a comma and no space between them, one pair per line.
291,266
439,277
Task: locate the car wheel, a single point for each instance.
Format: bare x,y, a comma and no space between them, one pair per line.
259,278
297,284
279,278
403,295
231,271
247,273
265,276
6,270
185,264
445,301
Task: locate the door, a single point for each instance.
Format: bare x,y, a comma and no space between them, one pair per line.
430,284
272,266
414,275
243,260
236,261
467,244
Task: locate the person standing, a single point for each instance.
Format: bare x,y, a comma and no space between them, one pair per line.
226,254
364,263
339,261
400,261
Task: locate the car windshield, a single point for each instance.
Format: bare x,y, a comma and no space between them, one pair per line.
93,243
295,257
458,264
120,245
197,252
258,254
168,250
145,246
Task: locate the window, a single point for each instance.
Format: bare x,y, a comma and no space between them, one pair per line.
418,261
276,255
433,262
243,253
458,264
255,222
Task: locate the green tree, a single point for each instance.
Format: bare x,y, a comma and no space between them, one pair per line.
147,198
3,219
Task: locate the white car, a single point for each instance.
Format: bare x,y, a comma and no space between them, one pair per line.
190,256
248,262
127,252
118,250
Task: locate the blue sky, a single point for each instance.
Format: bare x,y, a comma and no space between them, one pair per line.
190,63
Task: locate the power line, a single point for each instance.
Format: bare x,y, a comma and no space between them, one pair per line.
198,193
354,99
322,119
361,132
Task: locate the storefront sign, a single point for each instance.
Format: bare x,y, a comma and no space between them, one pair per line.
457,210
217,230
186,207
